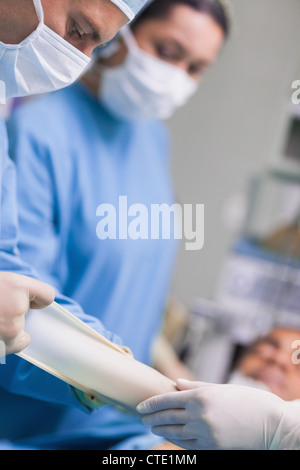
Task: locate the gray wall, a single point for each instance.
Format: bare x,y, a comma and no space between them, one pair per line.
232,128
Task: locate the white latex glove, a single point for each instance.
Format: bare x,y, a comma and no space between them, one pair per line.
18,294
231,417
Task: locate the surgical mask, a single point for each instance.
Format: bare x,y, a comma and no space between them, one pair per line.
237,378
41,63
144,87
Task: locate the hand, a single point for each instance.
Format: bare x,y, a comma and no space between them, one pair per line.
210,416
18,294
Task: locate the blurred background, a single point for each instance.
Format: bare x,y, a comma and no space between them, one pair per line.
236,126
236,149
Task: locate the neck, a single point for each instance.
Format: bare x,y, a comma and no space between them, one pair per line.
17,20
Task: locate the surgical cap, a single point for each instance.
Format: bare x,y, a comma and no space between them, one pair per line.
130,7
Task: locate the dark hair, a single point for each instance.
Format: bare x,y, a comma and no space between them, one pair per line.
162,8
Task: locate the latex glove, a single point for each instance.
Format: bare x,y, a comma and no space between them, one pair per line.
19,294
231,417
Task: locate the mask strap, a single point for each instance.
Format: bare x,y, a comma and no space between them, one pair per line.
39,10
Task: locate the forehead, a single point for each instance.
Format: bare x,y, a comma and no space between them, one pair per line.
103,16
197,32
281,337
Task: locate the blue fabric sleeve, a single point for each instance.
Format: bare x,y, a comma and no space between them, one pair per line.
36,209
17,375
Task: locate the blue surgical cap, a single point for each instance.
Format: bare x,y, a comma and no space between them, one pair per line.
130,7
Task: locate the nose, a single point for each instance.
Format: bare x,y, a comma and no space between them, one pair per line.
183,65
87,49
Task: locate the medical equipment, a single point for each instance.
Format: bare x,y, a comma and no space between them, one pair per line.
285,152
259,283
67,348
262,272
285,240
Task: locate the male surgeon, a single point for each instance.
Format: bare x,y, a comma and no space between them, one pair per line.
44,45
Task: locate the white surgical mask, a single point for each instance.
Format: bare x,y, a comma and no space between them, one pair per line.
41,63
144,87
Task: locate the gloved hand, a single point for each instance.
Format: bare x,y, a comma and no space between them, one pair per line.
18,294
211,416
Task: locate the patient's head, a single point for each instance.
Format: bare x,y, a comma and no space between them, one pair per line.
273,360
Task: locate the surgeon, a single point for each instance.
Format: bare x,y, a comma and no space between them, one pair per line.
97,158
44,46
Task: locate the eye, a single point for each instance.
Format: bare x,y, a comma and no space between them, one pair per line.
163,52
76,32
166,53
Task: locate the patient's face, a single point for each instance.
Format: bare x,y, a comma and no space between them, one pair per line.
271,360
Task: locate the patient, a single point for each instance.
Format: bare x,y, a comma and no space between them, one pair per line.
271,362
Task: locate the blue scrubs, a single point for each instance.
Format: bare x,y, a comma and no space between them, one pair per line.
72,156
10,258
30,399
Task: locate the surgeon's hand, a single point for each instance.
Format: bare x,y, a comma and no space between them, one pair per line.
18,294
210,416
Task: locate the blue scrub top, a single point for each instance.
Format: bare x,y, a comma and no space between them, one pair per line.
72,156
31,400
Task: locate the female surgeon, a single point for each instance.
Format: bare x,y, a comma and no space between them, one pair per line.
43,47
91,160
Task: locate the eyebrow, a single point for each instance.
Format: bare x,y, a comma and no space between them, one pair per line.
269,341
272,341
174,43
183,51
86,22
